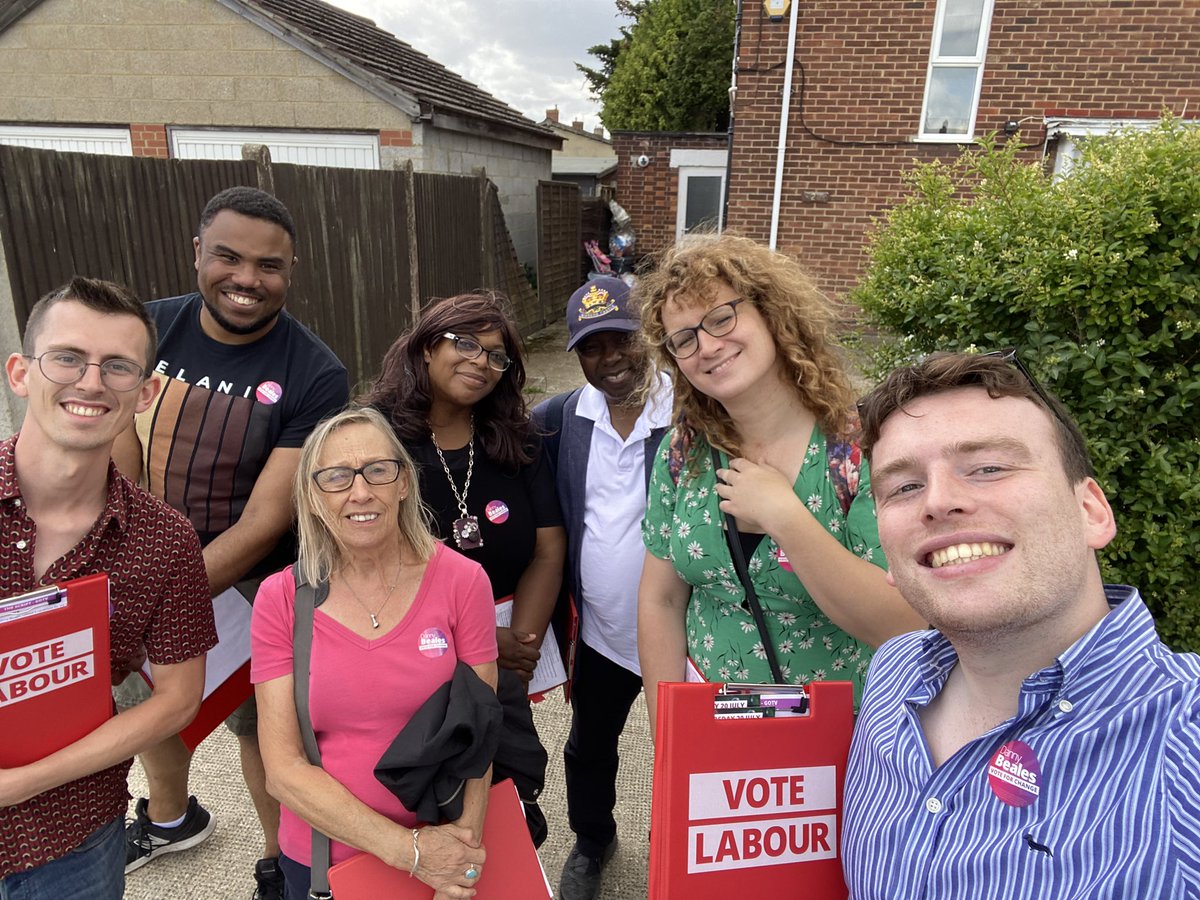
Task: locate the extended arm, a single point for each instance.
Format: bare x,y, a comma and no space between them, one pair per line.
662,641
177,693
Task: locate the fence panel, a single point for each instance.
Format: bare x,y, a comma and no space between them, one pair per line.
559,246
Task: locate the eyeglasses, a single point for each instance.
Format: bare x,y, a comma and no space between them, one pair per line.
469,348
718,322
336,479
65,367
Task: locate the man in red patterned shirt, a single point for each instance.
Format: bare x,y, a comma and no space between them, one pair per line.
65,512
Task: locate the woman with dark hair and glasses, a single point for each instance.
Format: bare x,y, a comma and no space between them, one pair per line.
748,340
452,388
401,612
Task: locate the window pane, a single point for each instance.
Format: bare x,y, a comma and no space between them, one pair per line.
951,93
703,203
960,28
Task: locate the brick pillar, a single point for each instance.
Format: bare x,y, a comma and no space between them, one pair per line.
149,140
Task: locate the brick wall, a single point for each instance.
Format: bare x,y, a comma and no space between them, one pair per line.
861,66
648,193
149,140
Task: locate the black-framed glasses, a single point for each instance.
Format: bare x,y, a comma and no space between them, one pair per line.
469,348
66,367
336,479
1010,356
718,322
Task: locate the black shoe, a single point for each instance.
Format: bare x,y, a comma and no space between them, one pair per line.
580,878
145,841
269,877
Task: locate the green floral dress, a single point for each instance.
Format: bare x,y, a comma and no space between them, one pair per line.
683,525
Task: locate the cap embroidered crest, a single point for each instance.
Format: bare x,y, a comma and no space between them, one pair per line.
596,303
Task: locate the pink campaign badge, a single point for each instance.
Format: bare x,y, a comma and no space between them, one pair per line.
781,558
496,512
1014,774
433,643
269,392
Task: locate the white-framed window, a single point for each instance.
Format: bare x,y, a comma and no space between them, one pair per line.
955,74
108,141
343,150
1072,133
701,192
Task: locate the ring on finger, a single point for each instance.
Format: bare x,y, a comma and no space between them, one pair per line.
471,873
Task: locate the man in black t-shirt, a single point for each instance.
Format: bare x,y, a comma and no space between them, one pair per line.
243,383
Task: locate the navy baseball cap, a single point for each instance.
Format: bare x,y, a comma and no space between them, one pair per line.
602,304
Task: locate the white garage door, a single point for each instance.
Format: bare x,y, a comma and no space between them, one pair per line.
343,151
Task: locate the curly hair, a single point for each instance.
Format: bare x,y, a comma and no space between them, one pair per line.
403,393
798,315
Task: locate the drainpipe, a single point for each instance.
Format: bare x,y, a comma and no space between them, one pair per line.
737,42
783,122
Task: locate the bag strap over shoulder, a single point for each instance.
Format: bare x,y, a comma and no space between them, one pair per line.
739,565
308,598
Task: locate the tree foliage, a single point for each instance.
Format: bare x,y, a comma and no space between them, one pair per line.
670,70
1095,277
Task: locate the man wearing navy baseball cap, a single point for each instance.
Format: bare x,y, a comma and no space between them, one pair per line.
601,440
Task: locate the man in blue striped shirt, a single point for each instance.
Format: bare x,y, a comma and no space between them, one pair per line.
1041,742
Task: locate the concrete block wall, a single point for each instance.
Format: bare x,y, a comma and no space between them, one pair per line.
861,65
514,168
179,62
649,193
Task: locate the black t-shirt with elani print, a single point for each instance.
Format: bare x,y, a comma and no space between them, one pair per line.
510,506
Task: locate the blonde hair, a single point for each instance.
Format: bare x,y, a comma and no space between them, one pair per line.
798,315
320,549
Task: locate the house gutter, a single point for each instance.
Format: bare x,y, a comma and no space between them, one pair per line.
733,85
783,123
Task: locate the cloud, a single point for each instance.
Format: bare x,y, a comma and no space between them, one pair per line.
521,51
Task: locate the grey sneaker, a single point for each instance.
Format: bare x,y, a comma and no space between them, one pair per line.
145,841
581,874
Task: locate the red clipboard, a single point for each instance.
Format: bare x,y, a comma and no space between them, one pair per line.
55,668
748,807
512,871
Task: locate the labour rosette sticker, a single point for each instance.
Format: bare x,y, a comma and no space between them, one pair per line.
1014,774
433,643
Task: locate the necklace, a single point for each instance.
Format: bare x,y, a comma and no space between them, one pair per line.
466,526
386,597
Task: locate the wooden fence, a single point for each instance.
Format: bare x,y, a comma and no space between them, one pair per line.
374,246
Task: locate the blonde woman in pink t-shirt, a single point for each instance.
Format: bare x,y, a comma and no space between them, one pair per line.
402,610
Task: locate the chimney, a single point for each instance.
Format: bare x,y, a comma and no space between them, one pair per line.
552,114
598,131
577,124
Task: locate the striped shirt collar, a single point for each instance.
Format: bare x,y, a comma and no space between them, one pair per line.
1079,672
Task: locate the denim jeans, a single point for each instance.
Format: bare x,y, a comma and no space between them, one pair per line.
95,870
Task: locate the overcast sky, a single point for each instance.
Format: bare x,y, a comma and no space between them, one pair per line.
520,51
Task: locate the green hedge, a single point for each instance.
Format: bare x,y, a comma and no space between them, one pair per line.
1095,278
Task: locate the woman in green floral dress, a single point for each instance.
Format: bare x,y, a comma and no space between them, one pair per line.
748,341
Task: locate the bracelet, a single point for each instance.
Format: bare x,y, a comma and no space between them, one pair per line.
416,833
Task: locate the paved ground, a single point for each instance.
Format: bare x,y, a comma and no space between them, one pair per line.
223,865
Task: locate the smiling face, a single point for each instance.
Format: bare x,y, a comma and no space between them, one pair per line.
364,518
613,362
731,367
458,382
86,415
243,270
983,531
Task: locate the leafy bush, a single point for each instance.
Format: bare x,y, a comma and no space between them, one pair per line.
1095,278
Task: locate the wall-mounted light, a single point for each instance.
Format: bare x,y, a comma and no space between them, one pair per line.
776,9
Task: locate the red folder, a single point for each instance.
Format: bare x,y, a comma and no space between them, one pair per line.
55,670
512,871
748,807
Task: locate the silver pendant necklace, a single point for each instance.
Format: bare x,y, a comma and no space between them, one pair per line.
466,527
386,597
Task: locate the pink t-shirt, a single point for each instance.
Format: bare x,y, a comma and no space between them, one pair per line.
363,692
